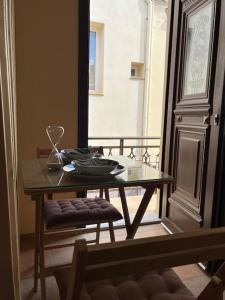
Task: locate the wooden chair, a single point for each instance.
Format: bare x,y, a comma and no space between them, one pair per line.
126,270
70,215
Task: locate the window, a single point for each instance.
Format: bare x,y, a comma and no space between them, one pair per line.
137,70
92,59
96,58
133,72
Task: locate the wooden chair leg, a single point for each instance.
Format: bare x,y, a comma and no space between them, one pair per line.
98,230
36,262
101,193
49,196
107,195
111,228
213,291
111,232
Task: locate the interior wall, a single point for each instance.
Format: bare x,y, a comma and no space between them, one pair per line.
46,64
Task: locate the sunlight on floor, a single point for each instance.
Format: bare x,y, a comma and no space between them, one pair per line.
134,197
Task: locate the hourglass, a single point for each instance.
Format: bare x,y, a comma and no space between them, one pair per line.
55,134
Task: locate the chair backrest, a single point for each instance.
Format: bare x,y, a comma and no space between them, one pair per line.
98,149
142,255
44,153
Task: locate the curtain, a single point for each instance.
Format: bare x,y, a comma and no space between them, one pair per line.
8,143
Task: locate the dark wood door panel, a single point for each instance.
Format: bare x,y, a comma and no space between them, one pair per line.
194,114
196,52
183,219
188,163
192,117
189,166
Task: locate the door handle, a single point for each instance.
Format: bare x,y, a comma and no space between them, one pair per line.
206,120
179,119
213,120
216,119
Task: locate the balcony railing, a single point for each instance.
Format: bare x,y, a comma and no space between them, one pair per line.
146,149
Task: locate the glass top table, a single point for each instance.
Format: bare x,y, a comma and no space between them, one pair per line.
37,178
38,181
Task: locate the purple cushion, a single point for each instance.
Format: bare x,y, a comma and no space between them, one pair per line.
155,285
80,211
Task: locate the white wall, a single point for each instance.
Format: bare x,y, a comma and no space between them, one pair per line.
118,112
157,68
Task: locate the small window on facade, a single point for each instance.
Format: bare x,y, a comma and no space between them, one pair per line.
137,70
133,73
96,58
92,60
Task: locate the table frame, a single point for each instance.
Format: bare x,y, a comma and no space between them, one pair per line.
38,195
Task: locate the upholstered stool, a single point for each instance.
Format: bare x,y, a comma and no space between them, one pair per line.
80,211
73,214
157,285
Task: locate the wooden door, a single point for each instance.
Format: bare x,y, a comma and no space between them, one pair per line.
193,97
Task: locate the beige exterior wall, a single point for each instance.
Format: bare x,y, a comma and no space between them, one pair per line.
46,58
134,31
156,68
118,111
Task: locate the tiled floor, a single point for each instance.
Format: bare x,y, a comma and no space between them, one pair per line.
192,275
133,201
151,213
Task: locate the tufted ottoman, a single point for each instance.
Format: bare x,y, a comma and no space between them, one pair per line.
80,211
156,285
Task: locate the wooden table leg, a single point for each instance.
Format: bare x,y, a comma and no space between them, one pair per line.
125,209
37,241
140,212
41,247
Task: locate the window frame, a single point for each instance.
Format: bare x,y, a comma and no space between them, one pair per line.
98,28
92,48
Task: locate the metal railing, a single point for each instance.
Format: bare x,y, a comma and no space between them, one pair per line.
146,149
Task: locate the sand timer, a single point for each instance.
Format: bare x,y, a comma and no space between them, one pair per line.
55,134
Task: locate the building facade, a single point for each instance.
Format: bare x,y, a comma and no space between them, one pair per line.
127,56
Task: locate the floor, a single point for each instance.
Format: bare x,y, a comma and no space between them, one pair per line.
192,275
151,213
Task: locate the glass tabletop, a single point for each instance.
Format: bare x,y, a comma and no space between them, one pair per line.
37,177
